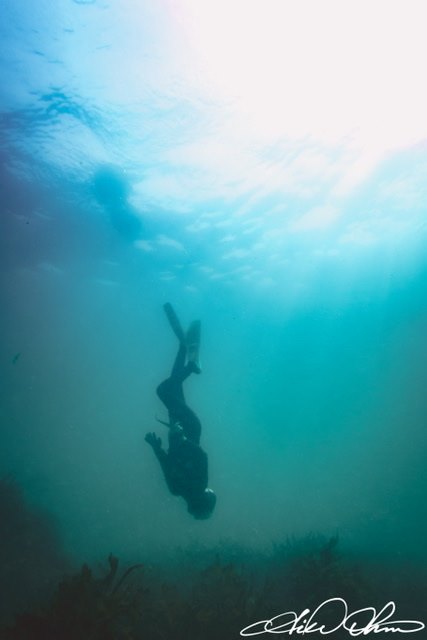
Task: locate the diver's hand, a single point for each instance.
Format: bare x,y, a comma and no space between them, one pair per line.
154,441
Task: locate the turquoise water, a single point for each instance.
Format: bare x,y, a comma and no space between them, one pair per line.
135,172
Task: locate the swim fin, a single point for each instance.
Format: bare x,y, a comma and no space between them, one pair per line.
174,321
192,341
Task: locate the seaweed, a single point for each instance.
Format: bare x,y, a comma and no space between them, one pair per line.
213,601
32,557
84,606
317,571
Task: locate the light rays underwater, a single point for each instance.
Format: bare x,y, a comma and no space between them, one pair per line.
262,167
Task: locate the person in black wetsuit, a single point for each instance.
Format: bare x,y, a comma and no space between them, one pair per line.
185,464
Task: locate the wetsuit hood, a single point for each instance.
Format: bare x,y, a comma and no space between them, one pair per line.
202,506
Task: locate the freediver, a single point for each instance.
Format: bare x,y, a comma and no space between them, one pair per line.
185,464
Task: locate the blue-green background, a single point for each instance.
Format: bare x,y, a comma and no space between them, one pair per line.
314,346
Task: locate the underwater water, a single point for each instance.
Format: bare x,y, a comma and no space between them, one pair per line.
195,153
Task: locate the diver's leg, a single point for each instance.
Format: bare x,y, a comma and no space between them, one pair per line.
170,391
171,394
178,372
191,424
179,411
192,340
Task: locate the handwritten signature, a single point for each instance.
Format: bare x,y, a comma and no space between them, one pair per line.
355,623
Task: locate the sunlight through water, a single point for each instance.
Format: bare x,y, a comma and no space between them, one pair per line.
277,144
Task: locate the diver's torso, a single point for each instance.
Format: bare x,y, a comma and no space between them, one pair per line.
187,468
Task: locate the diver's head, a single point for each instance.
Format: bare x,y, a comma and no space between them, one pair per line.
202,506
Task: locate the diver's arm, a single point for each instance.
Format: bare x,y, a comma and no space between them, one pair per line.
156,444
162,457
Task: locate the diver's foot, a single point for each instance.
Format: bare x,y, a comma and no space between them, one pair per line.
192,340
194,367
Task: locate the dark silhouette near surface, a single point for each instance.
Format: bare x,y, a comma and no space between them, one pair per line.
185,464
112,192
